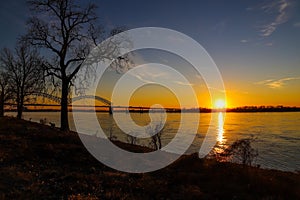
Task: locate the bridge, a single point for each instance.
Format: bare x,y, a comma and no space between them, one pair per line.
106,103
58,99
74,99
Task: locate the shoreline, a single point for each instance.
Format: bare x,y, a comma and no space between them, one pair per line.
38,161
104,111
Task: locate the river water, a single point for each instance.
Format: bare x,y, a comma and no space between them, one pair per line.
277,134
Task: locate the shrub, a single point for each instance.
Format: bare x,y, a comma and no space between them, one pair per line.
240,151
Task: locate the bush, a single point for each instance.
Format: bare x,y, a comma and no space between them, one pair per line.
241,151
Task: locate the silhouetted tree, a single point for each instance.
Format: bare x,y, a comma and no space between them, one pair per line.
156,132
132,139
240,151
4,90
61,26
24,71
68,31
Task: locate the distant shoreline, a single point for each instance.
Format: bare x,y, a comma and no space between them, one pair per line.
246,109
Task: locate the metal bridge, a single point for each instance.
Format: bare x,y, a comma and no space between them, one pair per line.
58,99
74,99
106,102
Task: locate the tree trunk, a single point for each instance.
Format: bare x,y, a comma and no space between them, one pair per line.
20,104
19,111
64,121
2,104
159,141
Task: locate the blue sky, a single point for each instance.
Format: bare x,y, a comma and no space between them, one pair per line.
250,41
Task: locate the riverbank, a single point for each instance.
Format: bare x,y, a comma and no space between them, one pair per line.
40,162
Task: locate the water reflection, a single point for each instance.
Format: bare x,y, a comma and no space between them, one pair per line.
278,133
220,138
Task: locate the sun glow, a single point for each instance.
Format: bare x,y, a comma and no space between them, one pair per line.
220,103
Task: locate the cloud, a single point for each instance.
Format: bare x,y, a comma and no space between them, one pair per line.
141,78
249,8
264,82
269,44
297,24
280,7
149,74
243,41
220,26
276,84
148,77
184,83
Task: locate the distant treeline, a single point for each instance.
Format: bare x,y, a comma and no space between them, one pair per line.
247,109
264,109
185,110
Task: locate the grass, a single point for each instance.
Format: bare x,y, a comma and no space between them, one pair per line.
39,162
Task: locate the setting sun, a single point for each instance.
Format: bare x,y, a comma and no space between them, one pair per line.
220,103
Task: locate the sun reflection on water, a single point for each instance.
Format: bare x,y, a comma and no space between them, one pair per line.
220,137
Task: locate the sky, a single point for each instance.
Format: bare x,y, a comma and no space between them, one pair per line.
255,44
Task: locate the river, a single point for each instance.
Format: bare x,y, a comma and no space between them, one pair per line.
277,134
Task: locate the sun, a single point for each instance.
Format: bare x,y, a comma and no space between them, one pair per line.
220,103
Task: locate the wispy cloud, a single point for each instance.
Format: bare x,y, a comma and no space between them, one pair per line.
243,41
141,78
276,83
280,7
152,78
154,74
263,82
220,26
269,44
147,76
183,83
297,24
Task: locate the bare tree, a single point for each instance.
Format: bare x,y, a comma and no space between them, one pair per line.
68,31
240,151
62,27
155,132
24,71
132,139
4,90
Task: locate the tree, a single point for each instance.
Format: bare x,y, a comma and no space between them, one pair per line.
240,151
132,139
4,90
68,32
24,72
156,132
